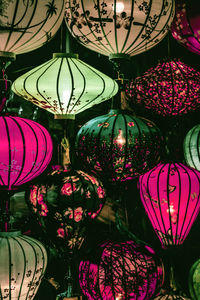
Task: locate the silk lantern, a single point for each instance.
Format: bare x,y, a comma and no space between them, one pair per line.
119,146
170,194
191,148
170,297
26,149
65,86
23,263
194,280
121,270
171,88
27,25
119,28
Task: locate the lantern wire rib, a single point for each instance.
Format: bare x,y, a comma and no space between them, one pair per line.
177,237
11,25
198,148
10,263
112,143
57,82
171,166
129,27
115,27
126,143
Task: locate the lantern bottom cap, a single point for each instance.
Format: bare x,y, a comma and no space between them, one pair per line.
64,116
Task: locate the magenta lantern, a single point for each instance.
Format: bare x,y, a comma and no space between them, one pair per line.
123,270
25,151
170,195
170,88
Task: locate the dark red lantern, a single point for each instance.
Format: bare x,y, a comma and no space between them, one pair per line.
170,194
171,88
122,270
119,146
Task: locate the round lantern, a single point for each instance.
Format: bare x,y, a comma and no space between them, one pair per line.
27,25
171,88
118,145
191,148
121,271
26,150
65,85
171,297
119,28
23,263
185,27
170,194
63,203
194,280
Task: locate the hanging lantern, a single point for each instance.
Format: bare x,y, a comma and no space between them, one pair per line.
23,263
119,146
185,27
171,88
170,194
63,203
119,28
26,149
27,25
65,86
194,280
191,148
170,297
121,271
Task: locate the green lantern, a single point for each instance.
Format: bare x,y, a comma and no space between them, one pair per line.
192,147
194,280
65,86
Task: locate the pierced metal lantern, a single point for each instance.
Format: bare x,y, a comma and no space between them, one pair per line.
113,27
122,270
63,203
27,24
23,264
185,27
194,280
119,146
65,86
26,150
170,194
191,147
171,88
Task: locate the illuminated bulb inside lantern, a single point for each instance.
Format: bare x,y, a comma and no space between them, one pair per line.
119,7
119,297
66,95
120,140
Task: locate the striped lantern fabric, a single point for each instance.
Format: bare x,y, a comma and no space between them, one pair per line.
65,85
23,263
125,27
170,194
193,280
191,147
27,24
171,297
26,149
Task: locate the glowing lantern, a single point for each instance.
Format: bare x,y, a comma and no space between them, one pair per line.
119,146
186,25
27,25
121,271
119,28
171,88
170,297
193,280
191,148
23,263
170,195
65,86
26,149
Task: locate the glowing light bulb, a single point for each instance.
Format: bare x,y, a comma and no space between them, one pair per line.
120,140
119,7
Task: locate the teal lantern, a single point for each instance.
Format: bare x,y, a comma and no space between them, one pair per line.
192,147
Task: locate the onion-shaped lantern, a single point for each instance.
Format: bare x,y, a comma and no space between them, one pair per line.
122,270
65,86
119,146
23,264
26,150
27,25
63,203
170,194
193,280
119,27
185,27
171,88
191,148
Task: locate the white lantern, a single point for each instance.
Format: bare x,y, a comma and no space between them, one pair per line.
22,265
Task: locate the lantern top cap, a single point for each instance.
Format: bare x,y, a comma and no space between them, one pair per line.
7,55
10,233
66,55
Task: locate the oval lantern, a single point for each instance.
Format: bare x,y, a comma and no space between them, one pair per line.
26,150
191,148
119,146
27,25
23,264
65,86
171,88
119,28
194,280
170,194
63,203
122,270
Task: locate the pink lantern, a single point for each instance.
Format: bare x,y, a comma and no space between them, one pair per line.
170,194
26,149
